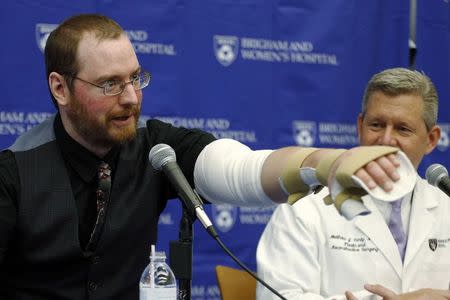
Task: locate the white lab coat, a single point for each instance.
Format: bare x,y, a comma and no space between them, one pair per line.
309,251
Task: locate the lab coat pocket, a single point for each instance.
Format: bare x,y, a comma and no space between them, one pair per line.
350,262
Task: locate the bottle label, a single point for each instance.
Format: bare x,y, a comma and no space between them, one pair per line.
158,293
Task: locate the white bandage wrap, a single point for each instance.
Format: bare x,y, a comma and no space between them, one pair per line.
227,171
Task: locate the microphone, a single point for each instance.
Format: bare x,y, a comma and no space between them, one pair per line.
437,175
163,157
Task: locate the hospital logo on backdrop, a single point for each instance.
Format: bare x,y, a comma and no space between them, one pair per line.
221,128
304,133
444,141
142,44
43,30
226,49
139,39
17,122
224,216
334,134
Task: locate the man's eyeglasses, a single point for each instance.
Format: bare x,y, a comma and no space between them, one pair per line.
113,87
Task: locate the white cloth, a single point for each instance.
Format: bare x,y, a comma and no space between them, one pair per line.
309,251
227,171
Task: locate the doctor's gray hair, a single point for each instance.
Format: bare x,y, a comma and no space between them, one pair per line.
402,81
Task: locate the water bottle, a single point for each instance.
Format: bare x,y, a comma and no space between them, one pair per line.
157,280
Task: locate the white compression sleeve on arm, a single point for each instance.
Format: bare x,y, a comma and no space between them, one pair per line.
227,171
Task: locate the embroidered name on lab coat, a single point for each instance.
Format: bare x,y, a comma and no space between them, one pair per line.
340,242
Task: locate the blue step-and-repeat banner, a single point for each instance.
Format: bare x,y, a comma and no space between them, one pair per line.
268,73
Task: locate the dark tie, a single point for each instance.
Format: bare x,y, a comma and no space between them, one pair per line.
102,195
396,227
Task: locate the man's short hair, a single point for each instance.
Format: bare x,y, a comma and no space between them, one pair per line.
62,44
402,81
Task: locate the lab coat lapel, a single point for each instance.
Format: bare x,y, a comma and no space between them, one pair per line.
422,220
375,227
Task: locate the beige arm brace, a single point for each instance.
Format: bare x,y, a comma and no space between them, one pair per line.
290,179
292,182
351,164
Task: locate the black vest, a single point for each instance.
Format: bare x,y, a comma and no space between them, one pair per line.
45,260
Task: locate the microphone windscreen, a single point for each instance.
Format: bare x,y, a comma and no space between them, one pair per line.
434,174
160,155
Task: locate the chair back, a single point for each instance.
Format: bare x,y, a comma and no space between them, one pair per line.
235,284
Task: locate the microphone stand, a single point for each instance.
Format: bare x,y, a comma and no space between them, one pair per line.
180,253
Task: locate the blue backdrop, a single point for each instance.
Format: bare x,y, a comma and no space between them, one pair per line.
268,73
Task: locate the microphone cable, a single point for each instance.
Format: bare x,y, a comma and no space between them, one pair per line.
163,157
212,232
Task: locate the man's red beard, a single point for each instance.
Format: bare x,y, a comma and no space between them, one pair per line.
103,132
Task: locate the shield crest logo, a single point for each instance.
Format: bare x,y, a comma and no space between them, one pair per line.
42,32
226,49
304,133
224,216
433,244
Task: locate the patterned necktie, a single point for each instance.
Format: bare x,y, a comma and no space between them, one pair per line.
396,227
102,195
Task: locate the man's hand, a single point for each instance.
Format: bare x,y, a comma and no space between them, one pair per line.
380,172
387,294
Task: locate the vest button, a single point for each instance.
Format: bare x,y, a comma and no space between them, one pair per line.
95,259
92,286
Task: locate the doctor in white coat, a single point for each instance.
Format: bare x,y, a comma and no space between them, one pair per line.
309,251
